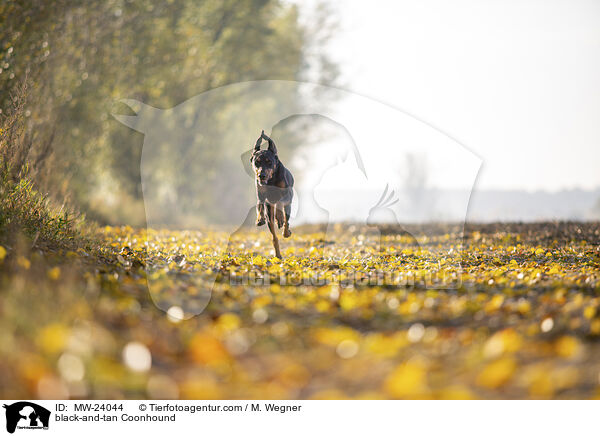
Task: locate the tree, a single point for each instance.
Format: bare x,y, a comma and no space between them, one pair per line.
80,57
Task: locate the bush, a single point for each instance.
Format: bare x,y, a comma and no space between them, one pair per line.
25,211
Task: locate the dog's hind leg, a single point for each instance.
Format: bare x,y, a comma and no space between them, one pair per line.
286,224
271,222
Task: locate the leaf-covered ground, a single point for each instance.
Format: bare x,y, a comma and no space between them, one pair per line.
344,315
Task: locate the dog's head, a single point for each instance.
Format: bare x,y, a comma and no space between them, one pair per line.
264,162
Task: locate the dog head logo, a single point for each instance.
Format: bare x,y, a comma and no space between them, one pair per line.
192,176
26,415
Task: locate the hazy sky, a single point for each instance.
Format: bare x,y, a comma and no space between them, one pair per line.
516,82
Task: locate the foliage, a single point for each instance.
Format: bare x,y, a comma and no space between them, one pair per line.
82,57
26,212
27,217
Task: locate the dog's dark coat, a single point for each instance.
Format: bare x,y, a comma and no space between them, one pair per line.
274,193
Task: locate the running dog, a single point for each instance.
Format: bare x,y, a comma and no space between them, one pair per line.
274,193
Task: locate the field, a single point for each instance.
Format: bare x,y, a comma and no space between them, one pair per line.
520,319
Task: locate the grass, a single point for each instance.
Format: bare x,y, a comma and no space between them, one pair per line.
522,321
28,215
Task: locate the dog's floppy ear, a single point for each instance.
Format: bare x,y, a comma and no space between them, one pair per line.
258,142
272,147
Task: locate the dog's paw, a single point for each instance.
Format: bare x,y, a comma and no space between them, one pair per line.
260,222
287,233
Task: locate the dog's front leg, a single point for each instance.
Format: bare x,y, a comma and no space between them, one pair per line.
271,221
260,213
286,222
